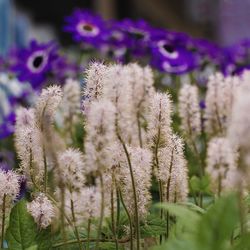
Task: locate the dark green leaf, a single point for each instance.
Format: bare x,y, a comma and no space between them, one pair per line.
21,233
153,226
217,225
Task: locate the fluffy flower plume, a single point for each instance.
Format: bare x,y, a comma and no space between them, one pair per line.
70,105
172,171
159,120
189,110
100,129
141,164
28,145
9,185
118,90
219,101
45,110
141,80
41,210
71,168
238,132
221,162
47,105
87,203
93,90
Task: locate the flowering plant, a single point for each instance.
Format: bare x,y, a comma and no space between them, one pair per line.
97,187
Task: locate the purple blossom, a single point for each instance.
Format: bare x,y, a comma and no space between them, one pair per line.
172,59
85,27
33,64
139,34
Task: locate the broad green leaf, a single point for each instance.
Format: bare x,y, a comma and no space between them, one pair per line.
217,225
185,216
44,240
21,233
243,243
200,184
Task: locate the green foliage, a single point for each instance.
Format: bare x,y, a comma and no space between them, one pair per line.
217,225
153,226
211,231
23,233
200,184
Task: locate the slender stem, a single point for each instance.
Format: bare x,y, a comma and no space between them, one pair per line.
88,233
59,244
62,212
129,219
113,214
45,171
219,185
241,211
161,200
168,190
74,223
118,209
3,221
137,222
139,128
101,214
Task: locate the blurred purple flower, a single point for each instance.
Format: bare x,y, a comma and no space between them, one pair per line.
139,34
85,27
202,104
172,59
62,69
7,125
34,63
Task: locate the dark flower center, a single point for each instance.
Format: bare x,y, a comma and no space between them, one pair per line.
170,49
38,61
137,35
87,27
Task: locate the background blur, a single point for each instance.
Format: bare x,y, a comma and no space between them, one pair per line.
223,21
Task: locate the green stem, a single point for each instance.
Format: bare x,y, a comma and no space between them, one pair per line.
161,201
88,233
74,223
219,186
62,212
3,221
60,244
137,222
101,214
129,219
45,171
118,209
113,214
139,129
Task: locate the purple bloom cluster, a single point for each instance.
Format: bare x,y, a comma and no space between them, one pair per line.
168,51
39,62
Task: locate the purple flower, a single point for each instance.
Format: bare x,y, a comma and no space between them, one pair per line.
115,35
34,63
172,59
62,69
7,125
236,58
138,34
85,27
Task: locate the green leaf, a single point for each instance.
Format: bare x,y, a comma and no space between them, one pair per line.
106,245
44,240
21,233
216,227
185,216
200,184
153,226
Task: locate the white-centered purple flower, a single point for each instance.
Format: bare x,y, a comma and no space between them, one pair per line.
85,27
